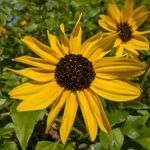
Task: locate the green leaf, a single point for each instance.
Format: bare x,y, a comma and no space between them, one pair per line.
145,142
134,105
8,146
136,129
9,128
96,146
24,123
46,145
118,116
113,140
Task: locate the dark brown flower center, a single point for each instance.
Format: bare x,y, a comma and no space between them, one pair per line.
125,31
74,72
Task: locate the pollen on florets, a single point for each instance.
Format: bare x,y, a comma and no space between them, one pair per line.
125,31
74,72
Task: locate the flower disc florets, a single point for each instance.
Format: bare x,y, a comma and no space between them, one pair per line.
125,31
74,72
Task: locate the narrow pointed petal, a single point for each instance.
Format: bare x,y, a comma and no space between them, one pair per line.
56,109
40,49
139,16
139,43
115,90
117,42
89,119
69,115
105,44
24,89
130,48
138,33
65,40
107,23
54,44
119,67
97,112
127,10
114,12
98,55
76,37
41,99
36,62
36,74
119,51
139,10
86,46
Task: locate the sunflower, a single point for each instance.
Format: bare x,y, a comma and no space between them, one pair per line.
126,22
70,74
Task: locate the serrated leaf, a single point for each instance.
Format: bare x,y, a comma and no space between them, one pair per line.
24,123
118,116
113,140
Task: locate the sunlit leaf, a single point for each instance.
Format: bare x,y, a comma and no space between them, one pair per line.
113,140
24,123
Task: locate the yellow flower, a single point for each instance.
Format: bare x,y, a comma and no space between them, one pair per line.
73,75
23,23
126,23
3,31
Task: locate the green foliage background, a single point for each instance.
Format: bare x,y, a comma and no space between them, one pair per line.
130,121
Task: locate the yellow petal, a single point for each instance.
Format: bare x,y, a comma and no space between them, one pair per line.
130,48
54,44
115,90
104,44
69,115
76,37
40,49
86,46
139,43
117,42
36,74
36,62
127,10
41,99
97,112
118,68
135,33
114,13
139,16
65,40
25,89
56,109
89,119
107,23
98,55
119,51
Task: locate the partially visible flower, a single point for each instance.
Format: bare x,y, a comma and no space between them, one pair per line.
71,74
126,22
3,31
23,23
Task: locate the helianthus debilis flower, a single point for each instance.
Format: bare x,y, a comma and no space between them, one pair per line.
126,22
70,74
